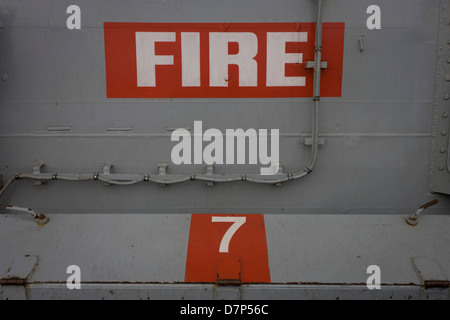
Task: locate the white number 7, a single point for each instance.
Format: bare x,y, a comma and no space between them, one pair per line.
238,222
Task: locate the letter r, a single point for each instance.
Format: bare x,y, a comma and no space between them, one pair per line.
219,58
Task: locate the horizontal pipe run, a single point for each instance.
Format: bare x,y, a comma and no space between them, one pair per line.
130,179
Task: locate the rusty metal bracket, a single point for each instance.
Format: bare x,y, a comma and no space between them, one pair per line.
228,283
413,220
441,284
13,282
228,271
13,285
428,269
431,276
41,219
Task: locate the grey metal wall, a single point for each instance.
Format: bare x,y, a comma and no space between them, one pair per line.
144,257
378,134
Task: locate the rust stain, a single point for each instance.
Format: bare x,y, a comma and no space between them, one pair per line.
441,284
13,281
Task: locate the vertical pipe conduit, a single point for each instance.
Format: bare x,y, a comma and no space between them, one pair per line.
316,94
167,179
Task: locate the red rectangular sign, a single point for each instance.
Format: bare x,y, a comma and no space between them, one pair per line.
227,248
220,60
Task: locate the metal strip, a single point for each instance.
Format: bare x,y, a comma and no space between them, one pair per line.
440,161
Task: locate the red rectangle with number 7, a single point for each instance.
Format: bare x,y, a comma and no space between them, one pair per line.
220,60
228,248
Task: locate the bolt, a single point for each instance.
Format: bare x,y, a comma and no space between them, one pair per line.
5,77
42,219
441,168
444,133
447,78
445,115
446,97
443,150
412,220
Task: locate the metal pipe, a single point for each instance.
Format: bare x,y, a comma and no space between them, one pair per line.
40,219
167,179
413,220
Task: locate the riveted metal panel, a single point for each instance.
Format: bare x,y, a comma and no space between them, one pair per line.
440,159
54,108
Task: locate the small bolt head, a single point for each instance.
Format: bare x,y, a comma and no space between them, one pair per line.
445,115
444,133
42,219
412,221
443,150
5,77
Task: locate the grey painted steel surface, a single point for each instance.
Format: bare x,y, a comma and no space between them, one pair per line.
372,172
246,292
378,135
440,159
310,256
